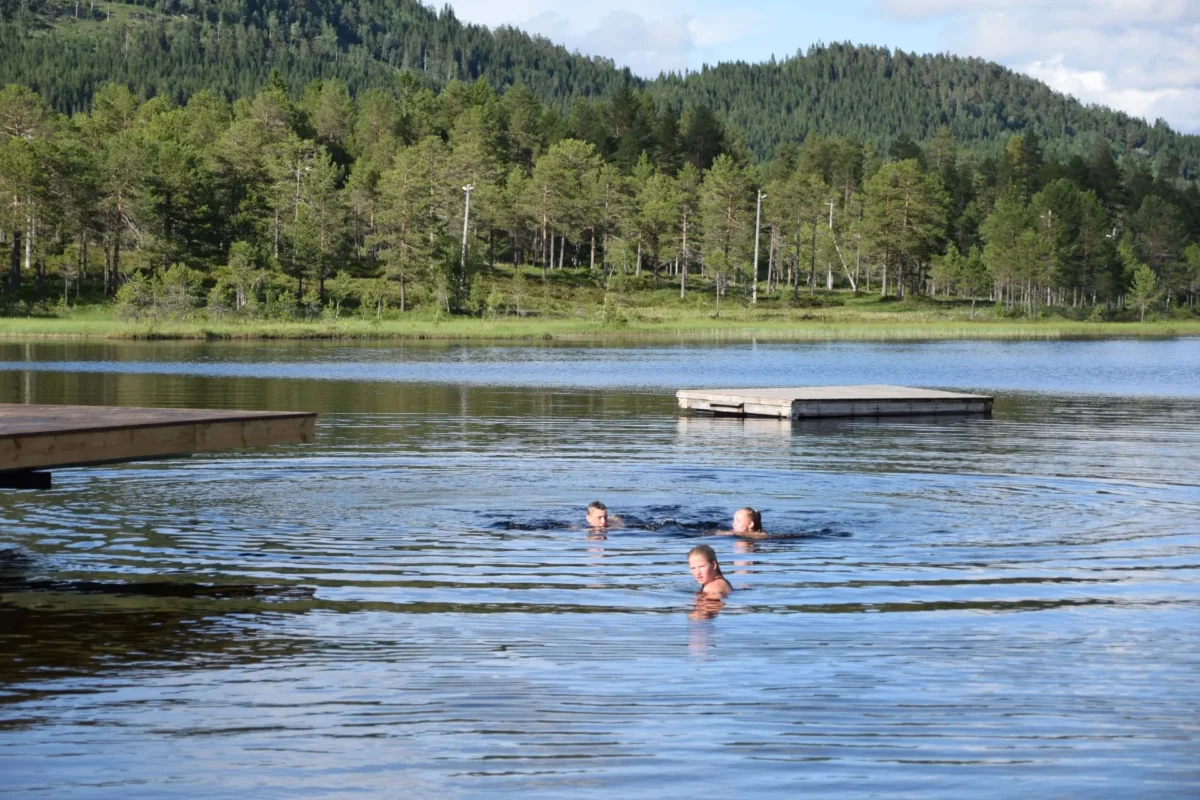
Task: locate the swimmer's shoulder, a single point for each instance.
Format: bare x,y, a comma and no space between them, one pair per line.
718,588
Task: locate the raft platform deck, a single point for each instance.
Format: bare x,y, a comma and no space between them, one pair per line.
811,402
37,438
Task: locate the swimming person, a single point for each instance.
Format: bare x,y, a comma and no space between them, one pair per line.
597,515
747,523
599,518
702,561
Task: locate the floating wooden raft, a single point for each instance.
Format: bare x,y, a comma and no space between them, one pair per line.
806,402
43,437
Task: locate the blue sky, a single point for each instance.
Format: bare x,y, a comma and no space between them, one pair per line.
1141,56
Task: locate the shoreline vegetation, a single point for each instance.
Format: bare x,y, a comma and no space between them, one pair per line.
556,312
471,214
514,331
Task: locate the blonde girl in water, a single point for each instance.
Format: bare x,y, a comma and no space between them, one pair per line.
702,561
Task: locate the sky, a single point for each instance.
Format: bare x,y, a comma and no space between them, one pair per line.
1139,56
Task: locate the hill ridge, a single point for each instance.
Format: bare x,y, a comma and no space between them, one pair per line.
876,92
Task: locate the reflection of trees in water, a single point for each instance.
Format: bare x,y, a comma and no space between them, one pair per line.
61,629
479,403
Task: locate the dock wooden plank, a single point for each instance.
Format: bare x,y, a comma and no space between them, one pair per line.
805,402
40,437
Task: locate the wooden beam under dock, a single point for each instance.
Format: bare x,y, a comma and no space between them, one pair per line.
35,438
810,402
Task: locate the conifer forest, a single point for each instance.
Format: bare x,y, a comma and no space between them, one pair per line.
243,158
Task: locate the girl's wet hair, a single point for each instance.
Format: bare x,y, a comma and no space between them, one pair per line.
755,517
709,554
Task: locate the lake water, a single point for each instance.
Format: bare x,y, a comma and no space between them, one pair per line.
1004,607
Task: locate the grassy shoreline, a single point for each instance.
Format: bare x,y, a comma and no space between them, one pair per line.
569,305
735,327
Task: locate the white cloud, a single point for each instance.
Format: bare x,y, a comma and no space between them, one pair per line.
1093,86
676,36
646,47
1139,56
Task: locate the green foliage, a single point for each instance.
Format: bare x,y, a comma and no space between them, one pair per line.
519,292
1143,284
283,194
612,314
339,289
173,295
905,216
135,298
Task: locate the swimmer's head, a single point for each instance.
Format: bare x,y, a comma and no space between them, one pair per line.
747,520
597,514
702,561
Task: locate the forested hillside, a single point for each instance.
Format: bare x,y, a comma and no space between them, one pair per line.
287,199
279,206
66,49
841,90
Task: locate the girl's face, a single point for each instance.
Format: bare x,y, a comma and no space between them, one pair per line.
703,570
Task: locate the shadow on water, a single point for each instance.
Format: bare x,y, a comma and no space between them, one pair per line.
58,629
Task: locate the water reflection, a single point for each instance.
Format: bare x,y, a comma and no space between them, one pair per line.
706,607
414,601
56,629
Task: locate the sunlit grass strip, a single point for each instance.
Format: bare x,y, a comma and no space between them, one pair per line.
850,327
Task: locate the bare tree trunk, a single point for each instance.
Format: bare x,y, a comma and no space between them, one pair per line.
858,265
29,246
771,262
14,262
812,260
545,223
83,260
116,259
683,258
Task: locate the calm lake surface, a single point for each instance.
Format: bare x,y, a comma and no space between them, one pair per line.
1003,607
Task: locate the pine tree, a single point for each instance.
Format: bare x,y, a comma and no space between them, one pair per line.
906,217
1143,289
726,217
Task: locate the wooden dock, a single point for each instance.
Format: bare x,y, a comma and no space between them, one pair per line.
37,438
810,402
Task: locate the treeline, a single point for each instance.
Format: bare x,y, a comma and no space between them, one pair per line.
284,205
67,49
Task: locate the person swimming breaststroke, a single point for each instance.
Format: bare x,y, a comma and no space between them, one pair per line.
599,518
702,561
747,522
